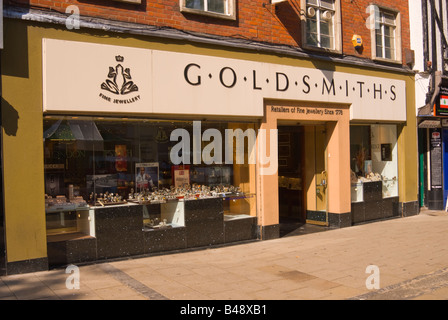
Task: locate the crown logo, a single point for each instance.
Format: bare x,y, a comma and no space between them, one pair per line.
119,80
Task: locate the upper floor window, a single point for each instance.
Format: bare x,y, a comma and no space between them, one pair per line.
218,8
386,39
322,24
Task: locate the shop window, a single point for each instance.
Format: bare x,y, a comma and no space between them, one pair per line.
216,8
96,162
373,151
321,24
386,35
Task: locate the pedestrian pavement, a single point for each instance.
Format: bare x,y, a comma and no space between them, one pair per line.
407,258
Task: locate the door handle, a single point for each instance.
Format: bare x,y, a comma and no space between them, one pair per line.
324,179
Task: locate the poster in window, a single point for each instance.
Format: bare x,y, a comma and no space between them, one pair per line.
146,176
386,152
181,175
436,159
120,158
368,167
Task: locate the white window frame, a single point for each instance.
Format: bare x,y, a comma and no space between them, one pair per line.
379,23
130,1
337,28
230,13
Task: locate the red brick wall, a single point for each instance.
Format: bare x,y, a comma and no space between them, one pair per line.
354,18
280,25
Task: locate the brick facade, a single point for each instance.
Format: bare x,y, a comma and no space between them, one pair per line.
256,20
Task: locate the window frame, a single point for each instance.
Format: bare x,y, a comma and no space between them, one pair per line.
337,28
130,1
397,57
230,15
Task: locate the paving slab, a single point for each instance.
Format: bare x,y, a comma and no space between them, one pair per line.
410,253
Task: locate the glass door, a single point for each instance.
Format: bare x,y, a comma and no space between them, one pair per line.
320,173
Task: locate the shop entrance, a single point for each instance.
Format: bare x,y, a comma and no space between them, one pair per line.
302,178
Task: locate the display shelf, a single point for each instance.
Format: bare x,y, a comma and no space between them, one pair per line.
68,236
238,205
390,188
79,220
231,217
134,229
374,190
167,215
357,192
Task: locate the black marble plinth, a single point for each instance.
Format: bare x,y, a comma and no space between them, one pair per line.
372,191
240,229
339,220
269,232
27,266
204,222
320,216
73,251
358,214
165,240
119,231
389,207
407,209
374,210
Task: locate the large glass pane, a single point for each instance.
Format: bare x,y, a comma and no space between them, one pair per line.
326,42
384,157
379,43
388,43
109,161
327,4
195,4
373,150
218,6
325,28
388,53
312,26
389,18
312,37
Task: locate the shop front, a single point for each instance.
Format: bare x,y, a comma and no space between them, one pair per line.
151,147
112,190
432,122
338,163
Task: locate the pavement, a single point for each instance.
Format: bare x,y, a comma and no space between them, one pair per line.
398,259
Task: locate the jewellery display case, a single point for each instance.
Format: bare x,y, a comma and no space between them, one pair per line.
149,222
357,192
164,215
390,187
373,200
240,221
70,231
138,201
374,171
70,217
164,226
